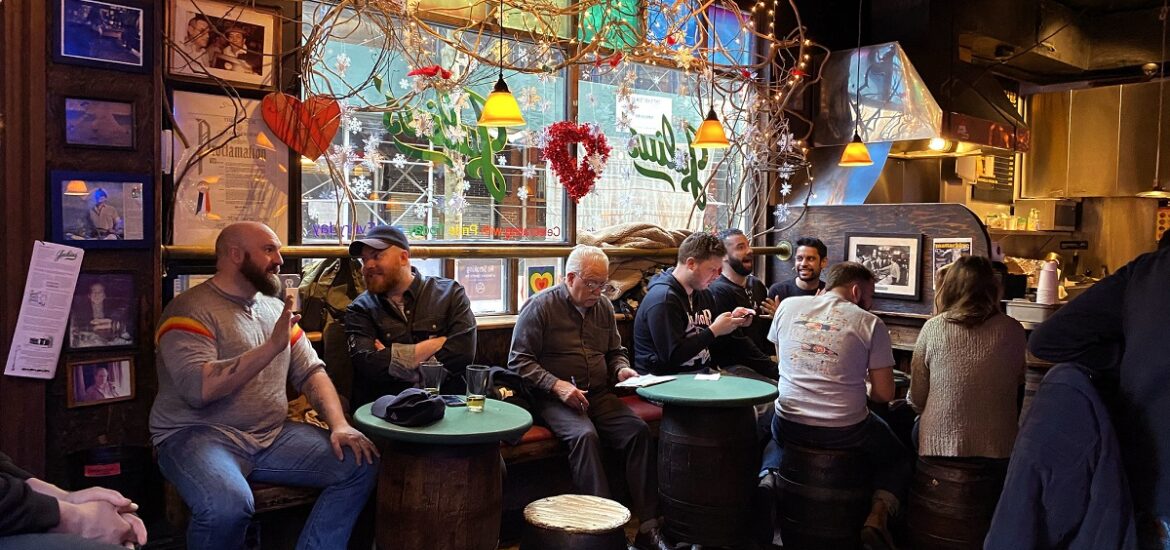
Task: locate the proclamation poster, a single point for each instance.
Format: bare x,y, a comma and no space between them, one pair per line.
243,178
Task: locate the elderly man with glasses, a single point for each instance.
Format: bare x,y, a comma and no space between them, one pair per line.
566,345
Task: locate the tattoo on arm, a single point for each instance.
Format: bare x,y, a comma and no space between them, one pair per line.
230,366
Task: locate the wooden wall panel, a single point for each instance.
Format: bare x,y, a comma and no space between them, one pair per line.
22,199
831,223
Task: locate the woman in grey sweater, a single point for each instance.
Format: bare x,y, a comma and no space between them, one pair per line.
967,367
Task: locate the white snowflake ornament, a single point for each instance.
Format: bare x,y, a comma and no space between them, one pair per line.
399,161
529,172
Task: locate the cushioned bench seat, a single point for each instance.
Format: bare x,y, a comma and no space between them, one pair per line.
539,441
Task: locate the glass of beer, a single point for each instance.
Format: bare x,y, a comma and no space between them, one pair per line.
433,373
477,386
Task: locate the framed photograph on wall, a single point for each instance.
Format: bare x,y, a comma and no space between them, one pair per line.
101,209
209,39
100,381
895,259
108,34
104,313
99,123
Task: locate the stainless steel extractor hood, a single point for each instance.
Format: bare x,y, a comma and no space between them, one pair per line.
965,107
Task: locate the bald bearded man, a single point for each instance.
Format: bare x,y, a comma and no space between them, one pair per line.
226,350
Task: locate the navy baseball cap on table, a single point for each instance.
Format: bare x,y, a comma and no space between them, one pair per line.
380,238
411,407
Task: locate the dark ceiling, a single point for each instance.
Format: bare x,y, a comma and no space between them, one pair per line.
1110,6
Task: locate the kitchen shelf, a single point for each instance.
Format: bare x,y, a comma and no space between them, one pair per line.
1013,232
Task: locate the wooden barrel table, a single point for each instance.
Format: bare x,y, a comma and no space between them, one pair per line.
440,486
575,522
824,497
707,456
952,501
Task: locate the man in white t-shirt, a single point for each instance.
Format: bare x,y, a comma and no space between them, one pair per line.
829,346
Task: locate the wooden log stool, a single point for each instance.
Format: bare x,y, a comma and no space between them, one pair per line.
952,501
575,522
824,497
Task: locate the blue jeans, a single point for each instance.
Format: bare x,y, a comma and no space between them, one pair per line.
212,473
892,463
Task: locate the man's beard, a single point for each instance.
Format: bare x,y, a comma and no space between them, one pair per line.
738,267
267,284
386,281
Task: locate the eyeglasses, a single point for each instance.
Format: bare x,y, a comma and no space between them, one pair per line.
593,286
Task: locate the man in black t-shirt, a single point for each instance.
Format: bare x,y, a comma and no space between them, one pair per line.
737,287
809,261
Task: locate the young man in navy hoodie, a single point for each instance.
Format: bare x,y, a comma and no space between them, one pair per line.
674,325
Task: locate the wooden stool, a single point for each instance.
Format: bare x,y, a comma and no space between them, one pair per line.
575,522
952,502
824,497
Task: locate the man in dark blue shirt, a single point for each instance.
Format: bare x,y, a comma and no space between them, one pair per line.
402,319
808,262
1122,320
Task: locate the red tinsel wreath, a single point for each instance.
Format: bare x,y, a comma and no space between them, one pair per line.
578,178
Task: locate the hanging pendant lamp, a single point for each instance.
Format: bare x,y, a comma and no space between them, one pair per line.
501,109
1157,192
710,134
856,153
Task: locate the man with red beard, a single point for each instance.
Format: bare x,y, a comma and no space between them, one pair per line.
402,319
227,348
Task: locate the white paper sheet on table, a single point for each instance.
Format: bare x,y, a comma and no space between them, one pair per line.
643,381
44,310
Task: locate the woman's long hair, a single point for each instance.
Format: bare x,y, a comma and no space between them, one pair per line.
969,294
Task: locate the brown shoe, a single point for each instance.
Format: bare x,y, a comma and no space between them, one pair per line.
651,540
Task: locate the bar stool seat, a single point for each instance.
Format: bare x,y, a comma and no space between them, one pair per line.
575,522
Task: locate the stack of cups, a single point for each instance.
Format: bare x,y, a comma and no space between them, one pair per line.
1046,291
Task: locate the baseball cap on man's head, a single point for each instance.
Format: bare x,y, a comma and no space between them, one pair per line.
380,238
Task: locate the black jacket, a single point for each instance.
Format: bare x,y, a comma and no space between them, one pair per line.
23,510
670,328
434,306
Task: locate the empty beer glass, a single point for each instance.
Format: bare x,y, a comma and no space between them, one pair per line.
432,374
477,386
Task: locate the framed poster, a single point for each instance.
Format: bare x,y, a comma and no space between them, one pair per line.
104,313
108,34
221,40
947,250
102,209
101,381
243,176
895,260
99,123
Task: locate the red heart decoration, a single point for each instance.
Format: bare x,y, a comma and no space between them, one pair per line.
306,127
578,178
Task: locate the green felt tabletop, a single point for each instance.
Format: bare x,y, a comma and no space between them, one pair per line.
499,421
727,391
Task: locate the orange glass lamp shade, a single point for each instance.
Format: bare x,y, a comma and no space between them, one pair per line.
76,188
856,154
710,134
501,110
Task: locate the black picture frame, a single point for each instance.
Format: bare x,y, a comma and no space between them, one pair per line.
895,258
99,123
104,313
77,220
106,34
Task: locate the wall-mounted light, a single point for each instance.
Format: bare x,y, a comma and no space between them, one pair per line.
938,144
